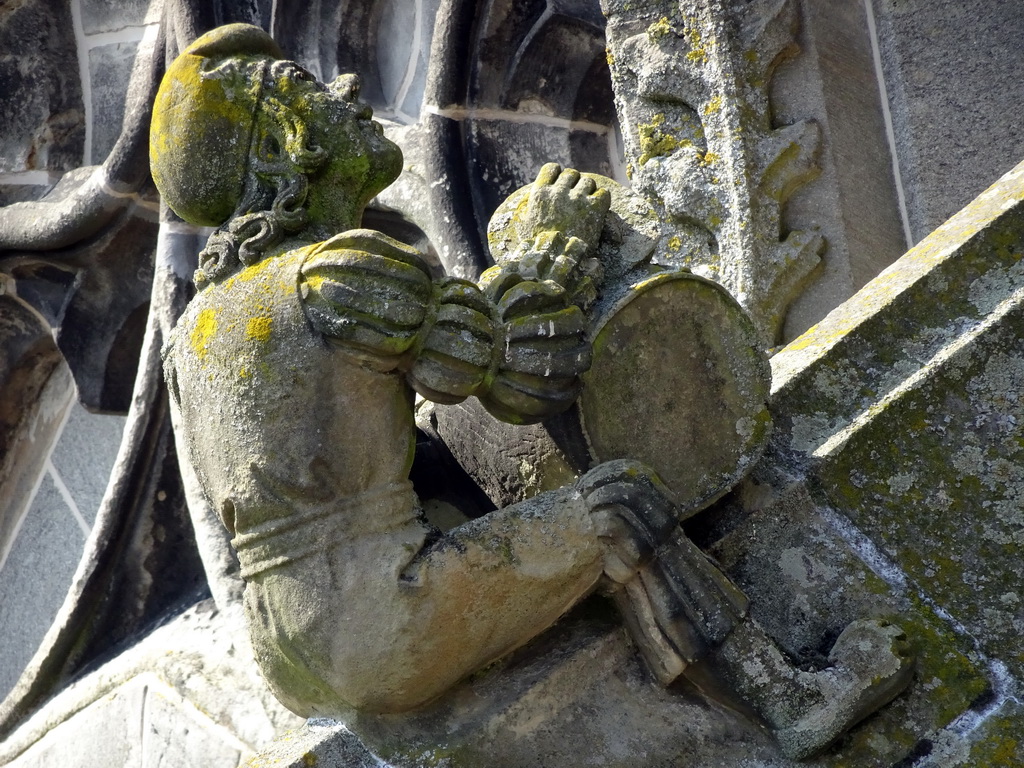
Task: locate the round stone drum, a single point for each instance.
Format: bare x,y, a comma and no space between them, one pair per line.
680,383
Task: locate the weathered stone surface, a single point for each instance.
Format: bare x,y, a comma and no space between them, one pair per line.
41,107
629,237
854,201
578,696
806,583
900,407
110,68
107,730
997,741
141,723
35,578
821,563
251,348
692,406
141,560
916,438
691,88
113,15
493,117
187,694
953,70
175,733
319,742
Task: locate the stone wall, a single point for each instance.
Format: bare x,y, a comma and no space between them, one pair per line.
41,551
65,71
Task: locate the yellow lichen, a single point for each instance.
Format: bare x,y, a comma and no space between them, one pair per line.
659,29
258,328
253,271
655,142
674,243
713,106
206,326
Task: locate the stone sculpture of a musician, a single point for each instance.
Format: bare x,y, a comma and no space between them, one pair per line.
293,373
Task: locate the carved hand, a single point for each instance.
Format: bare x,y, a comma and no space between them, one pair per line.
551,256
634,513
544,352
567,202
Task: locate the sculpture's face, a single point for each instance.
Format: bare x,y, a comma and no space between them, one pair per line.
360,161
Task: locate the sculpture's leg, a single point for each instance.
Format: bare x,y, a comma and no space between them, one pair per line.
688,618
383,622
870,664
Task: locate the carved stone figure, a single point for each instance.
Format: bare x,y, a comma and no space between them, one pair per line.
293,372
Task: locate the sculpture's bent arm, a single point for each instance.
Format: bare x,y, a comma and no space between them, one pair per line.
520,347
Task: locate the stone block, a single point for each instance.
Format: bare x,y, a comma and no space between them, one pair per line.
806,583
906,405
139,723
84,456
105,734
174,734
186,694
35,578
41,107
110,68
996,741
936,478
112,15
318,742
578,696
953,71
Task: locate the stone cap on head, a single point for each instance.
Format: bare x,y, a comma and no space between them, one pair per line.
203,120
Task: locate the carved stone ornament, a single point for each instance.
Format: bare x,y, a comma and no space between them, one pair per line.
292,376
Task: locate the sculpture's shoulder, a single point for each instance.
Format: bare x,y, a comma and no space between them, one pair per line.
241,315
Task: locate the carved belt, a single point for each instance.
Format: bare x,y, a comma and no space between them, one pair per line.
309,531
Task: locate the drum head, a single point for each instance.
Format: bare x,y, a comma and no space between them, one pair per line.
679,382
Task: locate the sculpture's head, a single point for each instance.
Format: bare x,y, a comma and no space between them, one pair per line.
240,136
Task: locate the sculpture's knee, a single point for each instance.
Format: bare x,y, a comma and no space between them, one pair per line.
328,644
332,671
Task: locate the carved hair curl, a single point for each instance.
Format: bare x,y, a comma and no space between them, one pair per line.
274,192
